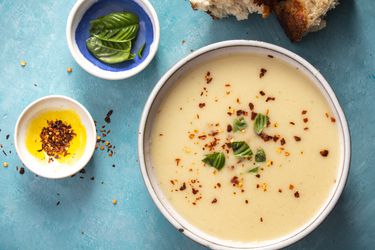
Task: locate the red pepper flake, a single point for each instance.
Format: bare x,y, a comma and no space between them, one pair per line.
257,175
56,138
296,194
280,190
306,128
327,115
238,100
178,160
194,191
258,186
246,201
208,77
251,106
183,187
292,123
305,120
261,219
262,93
253,115
202,137
282,142
263,71
160,134
297,138
266,137
270,56
234,181
227,85
107,118
270,99
304,112
201,105
218,184
333,120
172,182
7,136
291,187
276,138
240,112
229,128
324,153
214,201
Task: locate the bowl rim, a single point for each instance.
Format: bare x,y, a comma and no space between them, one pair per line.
87,156
331,200
96,71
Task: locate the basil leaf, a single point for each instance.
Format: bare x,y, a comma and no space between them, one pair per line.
254,170
239,124
140,51
260,123
260,155
109,52
216,160
241,149
115,27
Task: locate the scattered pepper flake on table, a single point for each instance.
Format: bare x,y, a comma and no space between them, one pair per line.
23,63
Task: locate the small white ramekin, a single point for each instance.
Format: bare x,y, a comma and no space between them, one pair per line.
53,102
161,90
120,72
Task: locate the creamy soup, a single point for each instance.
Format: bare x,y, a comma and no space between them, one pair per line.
246,148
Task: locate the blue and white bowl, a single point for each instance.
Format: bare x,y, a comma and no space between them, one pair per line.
77,32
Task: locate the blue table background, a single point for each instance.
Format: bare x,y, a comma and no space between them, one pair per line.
34,31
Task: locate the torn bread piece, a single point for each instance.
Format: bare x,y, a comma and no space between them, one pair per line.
297,17
239,8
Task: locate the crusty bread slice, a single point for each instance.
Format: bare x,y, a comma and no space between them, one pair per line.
297,17
223,8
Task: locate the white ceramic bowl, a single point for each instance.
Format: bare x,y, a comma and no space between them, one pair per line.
77,32
164,85
53,170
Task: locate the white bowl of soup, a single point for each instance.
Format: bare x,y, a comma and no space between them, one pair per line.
244,145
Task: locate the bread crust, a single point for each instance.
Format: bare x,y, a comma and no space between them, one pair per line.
292,17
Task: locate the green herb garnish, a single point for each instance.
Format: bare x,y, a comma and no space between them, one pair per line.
239,124
241,149
111,37
109,52
216,160
260,155
140,51
260,123
254,170
115,27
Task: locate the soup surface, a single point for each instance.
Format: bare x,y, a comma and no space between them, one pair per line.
221,110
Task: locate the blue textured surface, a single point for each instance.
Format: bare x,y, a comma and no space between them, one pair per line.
86,219
105,7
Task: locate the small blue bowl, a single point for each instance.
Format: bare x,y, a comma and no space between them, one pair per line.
77,32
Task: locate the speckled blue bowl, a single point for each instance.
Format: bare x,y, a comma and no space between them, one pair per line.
77,32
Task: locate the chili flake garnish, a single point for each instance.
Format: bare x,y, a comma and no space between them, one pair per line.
296,194
214,201
297,138
324,153
56,139
201,105
208,77
262,72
